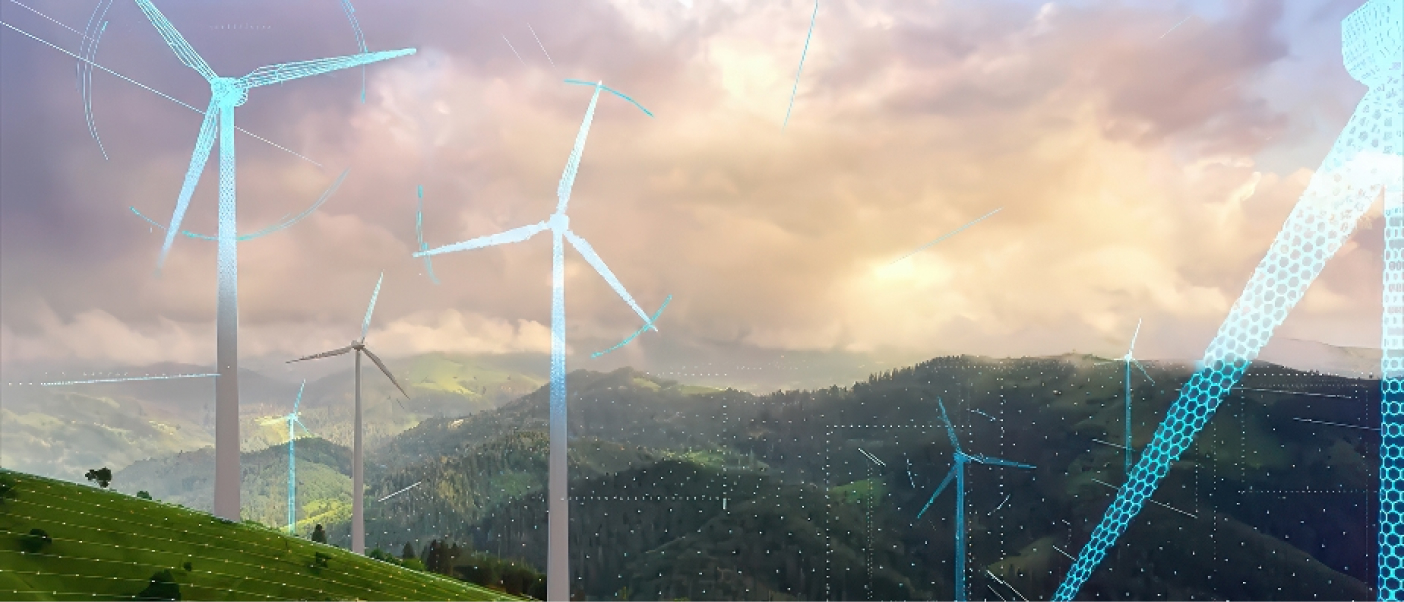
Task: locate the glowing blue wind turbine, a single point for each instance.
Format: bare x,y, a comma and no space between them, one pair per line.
1365,161
226,93
358,482
1129,359
292,418
557,566
958,473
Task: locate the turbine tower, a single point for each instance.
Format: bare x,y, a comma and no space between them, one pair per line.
292,460
557,564
358,481
226,93
1365,161
958,473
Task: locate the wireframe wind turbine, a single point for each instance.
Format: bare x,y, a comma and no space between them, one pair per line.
1364,162
557,565
226,93
1130,359
292,418
958,473
358,482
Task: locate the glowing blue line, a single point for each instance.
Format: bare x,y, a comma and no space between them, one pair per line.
646,326
948,235
360,41
118,380
1296,393
266,231
992,418
1111,444
399,492
1354,426
1153,501
155,91
801,65
419,233
611,91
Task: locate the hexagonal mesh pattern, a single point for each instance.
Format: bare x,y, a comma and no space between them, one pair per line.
1365,159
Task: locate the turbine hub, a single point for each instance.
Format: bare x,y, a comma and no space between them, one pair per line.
228,91
559,222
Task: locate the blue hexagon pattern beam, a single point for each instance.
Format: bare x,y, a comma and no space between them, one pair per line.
1365,160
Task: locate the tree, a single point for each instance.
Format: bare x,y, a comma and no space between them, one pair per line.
161,587
36,540
319,534
103,476
145,495
408,553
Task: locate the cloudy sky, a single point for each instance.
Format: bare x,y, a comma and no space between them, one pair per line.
1142,156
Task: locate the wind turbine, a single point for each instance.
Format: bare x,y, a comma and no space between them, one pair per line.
1129,359
226,93
358,482
958,473
292,460
1364,162
557,564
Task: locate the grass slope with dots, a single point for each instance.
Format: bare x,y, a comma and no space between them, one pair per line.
107,546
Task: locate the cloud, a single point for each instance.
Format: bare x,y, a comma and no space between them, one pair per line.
1134,173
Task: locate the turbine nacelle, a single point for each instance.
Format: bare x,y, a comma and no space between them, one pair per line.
559,223
229,91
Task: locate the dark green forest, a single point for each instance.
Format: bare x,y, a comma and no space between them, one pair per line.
699,493
682,492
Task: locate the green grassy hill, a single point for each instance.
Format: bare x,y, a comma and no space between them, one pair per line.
106,545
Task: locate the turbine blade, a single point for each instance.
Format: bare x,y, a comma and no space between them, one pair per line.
177,42
944,482
594,260
611,91
365,325
638,332
203,145
950,428
501,238
983,459
304,427
381,365
573,162
299,398
1143,370
1134,335
419,233
323,354
282,72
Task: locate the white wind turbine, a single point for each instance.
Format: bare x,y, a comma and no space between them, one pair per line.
558,558
226,93
358,489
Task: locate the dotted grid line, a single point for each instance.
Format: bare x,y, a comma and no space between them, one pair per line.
648,498
1276,491
828,485
181,554
410,584
261,536
35,591
107,560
